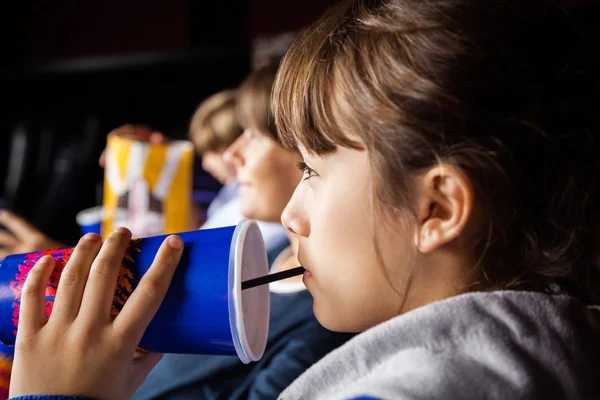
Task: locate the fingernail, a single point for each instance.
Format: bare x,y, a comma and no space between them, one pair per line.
45,259
91,236
121,230
175,242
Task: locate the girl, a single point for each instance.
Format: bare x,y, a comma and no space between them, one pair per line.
267,175
448,211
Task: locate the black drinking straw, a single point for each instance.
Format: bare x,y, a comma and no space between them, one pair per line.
263,280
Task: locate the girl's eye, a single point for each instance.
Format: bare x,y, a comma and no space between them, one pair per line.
308,171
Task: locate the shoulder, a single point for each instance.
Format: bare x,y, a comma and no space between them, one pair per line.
488,345
287,359
495,346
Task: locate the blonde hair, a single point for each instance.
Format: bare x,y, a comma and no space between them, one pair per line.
214,125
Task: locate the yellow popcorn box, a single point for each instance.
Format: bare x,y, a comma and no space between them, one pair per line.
147,187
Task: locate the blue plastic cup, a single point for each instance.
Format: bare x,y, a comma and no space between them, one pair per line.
90,220
205,310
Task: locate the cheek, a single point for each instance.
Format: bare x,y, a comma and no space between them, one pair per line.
351,290
340,217
257,166
356,290
284,176
354,297
256,199
273,177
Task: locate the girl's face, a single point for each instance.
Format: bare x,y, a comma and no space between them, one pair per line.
331,211
214,163
365,266
267,175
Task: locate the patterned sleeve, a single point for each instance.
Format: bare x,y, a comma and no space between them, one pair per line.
48,397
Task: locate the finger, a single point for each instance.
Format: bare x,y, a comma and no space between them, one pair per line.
145,300
143,364
102,160
74,277
32,315
102,280
134,132
7,239
157,138
18,226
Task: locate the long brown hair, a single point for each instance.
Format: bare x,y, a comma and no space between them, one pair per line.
498,88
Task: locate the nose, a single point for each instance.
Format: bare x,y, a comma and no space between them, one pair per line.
294,216
234,154
205,164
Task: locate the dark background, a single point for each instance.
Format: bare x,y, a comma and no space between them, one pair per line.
72,70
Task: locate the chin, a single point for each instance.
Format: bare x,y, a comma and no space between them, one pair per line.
332,322
248,212
255,214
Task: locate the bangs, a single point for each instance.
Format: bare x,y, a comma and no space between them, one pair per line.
356,73
214,125
311,102
253,101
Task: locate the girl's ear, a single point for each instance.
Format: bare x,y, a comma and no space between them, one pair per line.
444,206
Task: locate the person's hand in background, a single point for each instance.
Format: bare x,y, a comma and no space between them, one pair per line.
22,237
144,133
140,133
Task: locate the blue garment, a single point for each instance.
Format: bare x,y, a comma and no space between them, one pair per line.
227,193
296,341
48,397
227,212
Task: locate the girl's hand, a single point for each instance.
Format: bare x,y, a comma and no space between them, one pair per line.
82,349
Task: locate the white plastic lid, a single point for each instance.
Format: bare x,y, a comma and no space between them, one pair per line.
90,216
249,309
